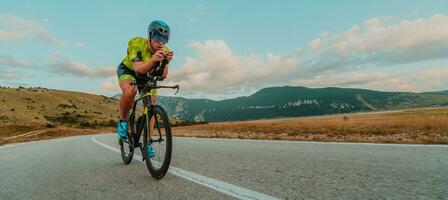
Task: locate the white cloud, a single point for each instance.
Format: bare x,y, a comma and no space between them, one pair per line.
56,54
14,28
9,61
14,83
79,44
316,43
9,76
218,70
430,78
380,44
370,80
388,18
110,85
419,80
297,52
324,33
80,69
374,23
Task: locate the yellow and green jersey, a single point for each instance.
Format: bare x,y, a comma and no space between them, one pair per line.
138,52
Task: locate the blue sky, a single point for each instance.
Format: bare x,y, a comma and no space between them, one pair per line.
227,49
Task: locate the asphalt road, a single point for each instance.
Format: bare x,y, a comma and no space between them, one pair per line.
88,167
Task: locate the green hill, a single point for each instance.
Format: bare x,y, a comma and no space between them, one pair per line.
278,102
445,92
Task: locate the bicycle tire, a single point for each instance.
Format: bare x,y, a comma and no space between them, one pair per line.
127,156
158,172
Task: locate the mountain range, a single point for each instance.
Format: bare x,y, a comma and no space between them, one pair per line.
296,101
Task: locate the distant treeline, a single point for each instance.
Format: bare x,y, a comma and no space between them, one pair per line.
186,123
21,87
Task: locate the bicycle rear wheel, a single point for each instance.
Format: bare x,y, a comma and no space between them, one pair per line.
161,140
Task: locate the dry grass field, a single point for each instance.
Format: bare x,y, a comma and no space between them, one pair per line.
428,126
58,113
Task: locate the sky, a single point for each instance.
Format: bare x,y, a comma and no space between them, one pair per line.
228,49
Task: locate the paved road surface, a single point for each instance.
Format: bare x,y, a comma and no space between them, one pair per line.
88,167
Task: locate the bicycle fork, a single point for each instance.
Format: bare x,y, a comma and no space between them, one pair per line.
146,120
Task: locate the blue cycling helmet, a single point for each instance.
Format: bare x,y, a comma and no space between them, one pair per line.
159,30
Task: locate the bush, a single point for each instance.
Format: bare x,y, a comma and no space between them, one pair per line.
4,118
67,106
109,123
49,125
63,119
85,125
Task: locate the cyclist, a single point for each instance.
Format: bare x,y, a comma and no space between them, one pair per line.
142,55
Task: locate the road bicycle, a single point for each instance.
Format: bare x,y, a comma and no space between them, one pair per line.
160,136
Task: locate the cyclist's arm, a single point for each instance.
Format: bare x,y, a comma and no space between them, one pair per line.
169,56
135,49
142,67
165,71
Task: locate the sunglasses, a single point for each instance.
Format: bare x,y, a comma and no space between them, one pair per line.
160,38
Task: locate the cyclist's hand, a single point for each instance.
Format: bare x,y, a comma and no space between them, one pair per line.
158,56
169,56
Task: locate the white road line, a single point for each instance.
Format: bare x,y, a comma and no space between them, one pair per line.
10,145
226,188
31,133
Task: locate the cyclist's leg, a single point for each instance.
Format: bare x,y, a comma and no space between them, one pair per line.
127,98
125,77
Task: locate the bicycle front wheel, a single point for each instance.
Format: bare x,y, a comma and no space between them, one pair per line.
127,146
160,139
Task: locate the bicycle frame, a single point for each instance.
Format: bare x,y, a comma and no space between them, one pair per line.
146,94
